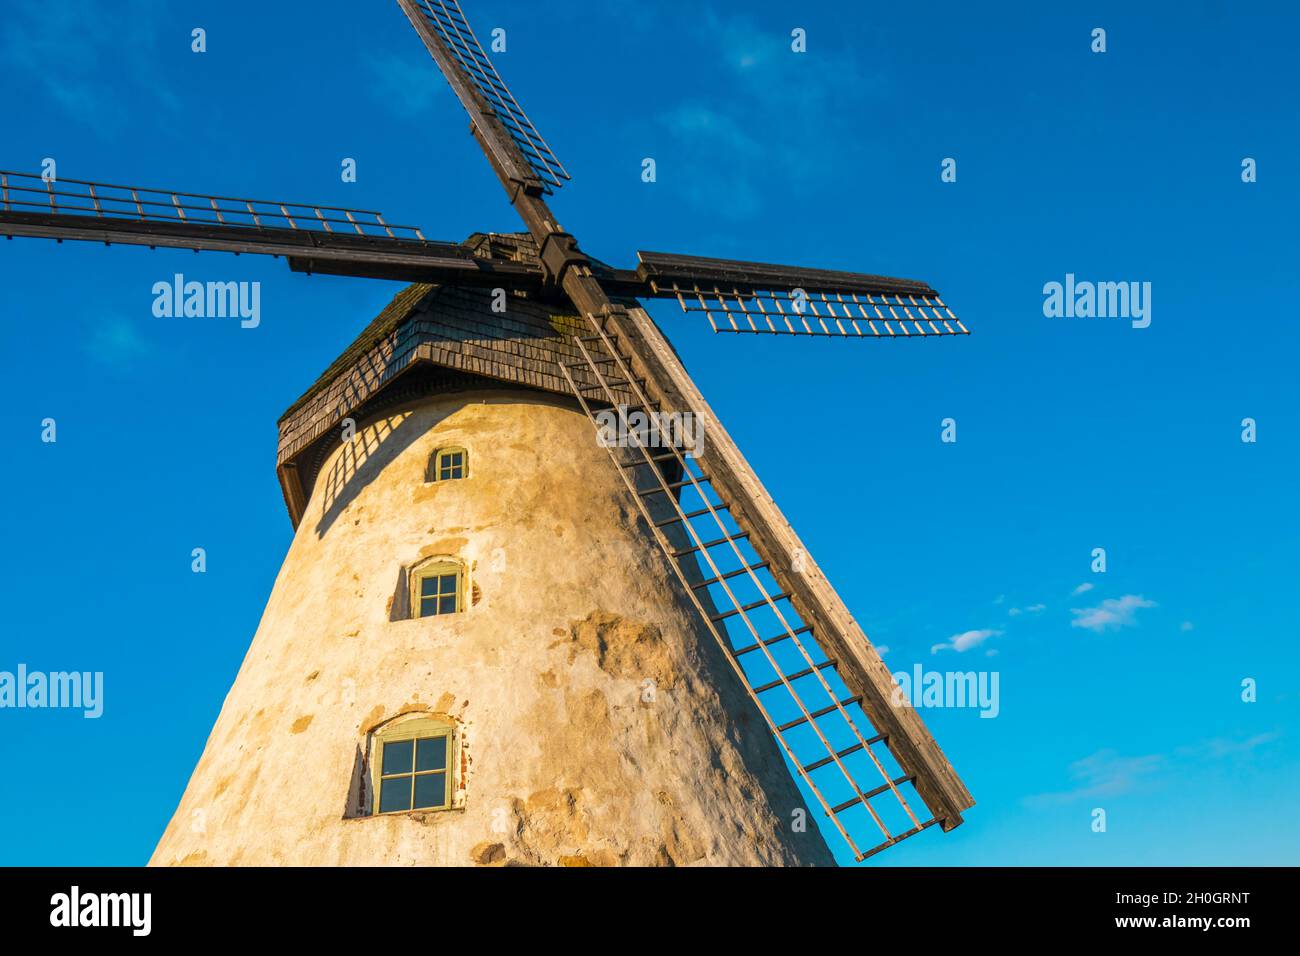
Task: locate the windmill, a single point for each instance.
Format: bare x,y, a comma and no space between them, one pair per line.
532,311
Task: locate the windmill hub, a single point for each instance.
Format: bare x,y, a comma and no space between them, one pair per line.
558,254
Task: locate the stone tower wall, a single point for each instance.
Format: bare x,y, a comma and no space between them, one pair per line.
597,721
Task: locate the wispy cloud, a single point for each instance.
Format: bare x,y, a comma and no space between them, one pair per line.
710,131
768,118
117,343
1083,588
407,85
1030,609
1107,773
61,46
1110,614
965,641
1219,747
1103,774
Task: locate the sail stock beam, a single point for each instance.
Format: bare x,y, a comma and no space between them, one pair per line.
707,554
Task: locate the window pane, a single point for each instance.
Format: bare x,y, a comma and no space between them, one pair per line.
430,790
431,753
398,756
447,584
428,607
447,605
428,586
395,793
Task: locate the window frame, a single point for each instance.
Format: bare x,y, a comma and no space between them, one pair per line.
436,470
419,729
435,568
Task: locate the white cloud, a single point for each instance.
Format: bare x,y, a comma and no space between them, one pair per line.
1226,747
1185,626
406,84
882,649
754,108
1031,609
1103,774
1106,773
58,46
965,641
117,342
1110,614
1082,588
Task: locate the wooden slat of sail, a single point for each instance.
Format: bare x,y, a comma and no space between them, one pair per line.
763,298
313,237
840,314
28,193
511,141
814,599
663,269
818,705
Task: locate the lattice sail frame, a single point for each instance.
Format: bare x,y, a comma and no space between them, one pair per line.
311,237
448,21
793,684
798,312
763,297
27,193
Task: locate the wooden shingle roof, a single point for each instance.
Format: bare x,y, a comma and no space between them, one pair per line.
428,339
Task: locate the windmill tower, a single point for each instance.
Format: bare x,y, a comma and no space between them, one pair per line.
538,608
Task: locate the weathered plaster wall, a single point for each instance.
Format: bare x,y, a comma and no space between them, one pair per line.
565,760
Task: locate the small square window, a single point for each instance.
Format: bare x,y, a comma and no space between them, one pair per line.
439,591
449,464
413,774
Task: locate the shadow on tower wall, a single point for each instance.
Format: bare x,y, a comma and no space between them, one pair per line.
361,460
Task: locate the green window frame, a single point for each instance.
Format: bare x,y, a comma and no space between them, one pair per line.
450,464
437,589
413,767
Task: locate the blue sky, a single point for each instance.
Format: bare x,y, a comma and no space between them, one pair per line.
1073,434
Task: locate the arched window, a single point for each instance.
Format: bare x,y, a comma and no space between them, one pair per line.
437,587
414,763
449,464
